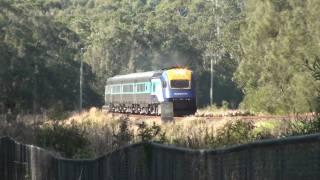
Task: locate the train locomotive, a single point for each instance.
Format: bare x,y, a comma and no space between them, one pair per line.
143,93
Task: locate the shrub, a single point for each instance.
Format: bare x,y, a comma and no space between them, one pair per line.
71,141
302,126
236,132
225,105
124,135
150,133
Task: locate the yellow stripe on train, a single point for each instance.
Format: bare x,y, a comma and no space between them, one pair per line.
179,74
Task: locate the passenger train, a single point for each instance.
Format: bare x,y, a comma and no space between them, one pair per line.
143,93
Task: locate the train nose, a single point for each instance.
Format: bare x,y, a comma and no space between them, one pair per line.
180,94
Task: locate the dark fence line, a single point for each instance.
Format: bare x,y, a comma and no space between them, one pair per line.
290,158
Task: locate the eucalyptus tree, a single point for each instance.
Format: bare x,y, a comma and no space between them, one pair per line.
275,40
38,67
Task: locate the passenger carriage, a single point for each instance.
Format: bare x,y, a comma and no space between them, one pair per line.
143,93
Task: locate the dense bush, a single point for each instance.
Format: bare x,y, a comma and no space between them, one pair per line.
276,38
71,141
124,135
150,133
301,127
235,132
93,134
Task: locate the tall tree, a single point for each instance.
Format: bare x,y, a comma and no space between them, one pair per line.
38,67
275,41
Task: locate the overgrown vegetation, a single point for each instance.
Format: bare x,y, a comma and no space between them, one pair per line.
70,140
94,133
277,37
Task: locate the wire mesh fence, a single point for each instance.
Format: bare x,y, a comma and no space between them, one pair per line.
290,158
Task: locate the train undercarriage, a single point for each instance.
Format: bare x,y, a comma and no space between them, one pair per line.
180,108
150,109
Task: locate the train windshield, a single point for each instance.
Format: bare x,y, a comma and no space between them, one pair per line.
180,84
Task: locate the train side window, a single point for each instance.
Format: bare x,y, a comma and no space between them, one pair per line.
127,88
116,89
141,87
113,90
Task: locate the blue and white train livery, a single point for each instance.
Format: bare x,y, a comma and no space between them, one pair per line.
143,93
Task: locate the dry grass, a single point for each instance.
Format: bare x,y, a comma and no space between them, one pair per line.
214,111
106,132
192,131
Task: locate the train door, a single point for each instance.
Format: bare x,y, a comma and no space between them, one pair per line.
156,90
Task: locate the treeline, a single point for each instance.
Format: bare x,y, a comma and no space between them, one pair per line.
264,52
280,42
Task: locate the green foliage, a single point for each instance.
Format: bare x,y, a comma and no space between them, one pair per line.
70,141
38,64
225,105
267,130
302,127
315,69
124,136
260,47
236,132
276,38
123,37
150,133
43,43
92,138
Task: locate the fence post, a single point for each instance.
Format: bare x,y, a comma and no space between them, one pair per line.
7,158
203,170
221,166
250,168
